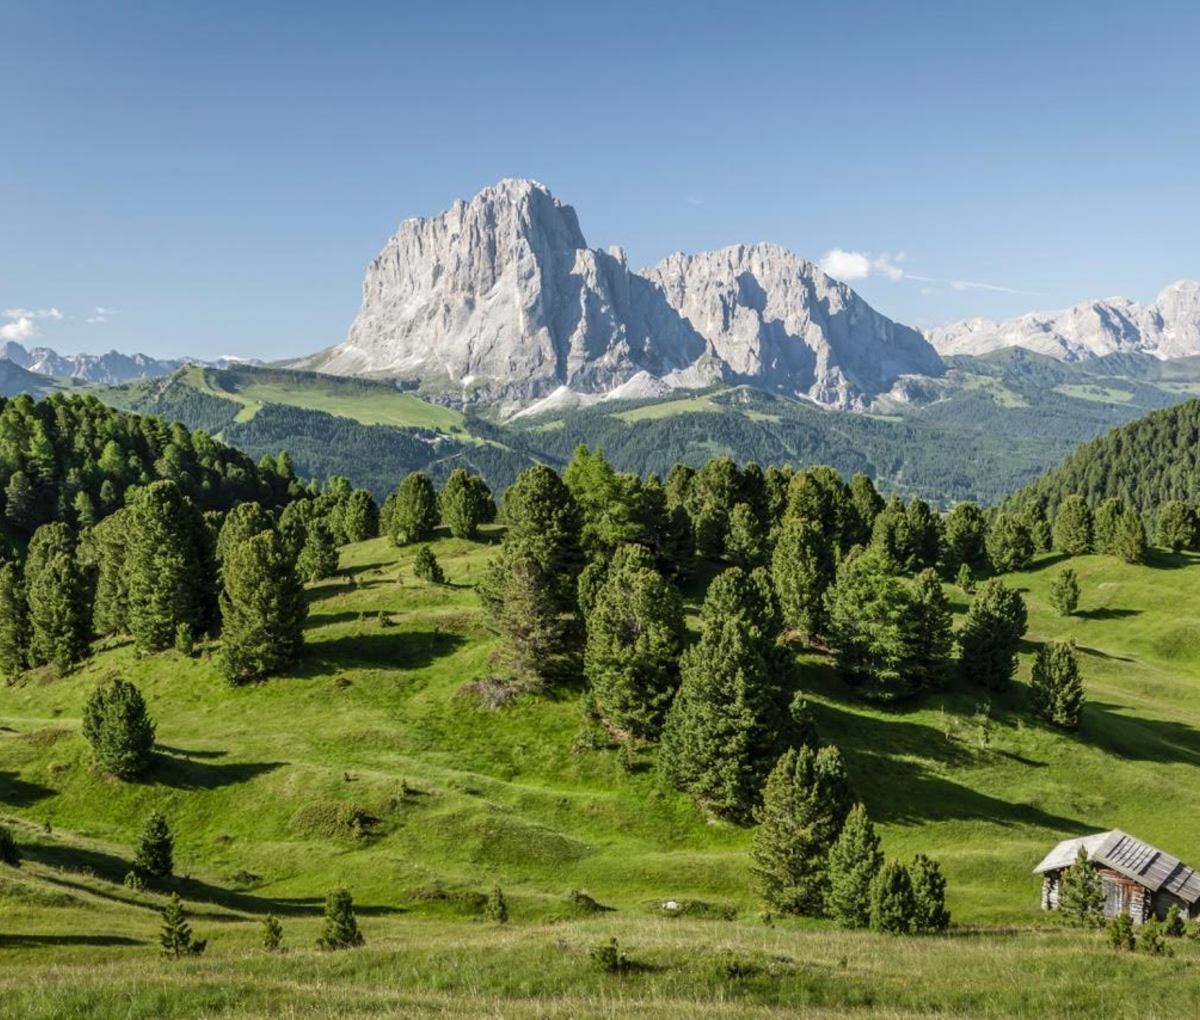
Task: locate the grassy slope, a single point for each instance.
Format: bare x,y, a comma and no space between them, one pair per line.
376,405
500,797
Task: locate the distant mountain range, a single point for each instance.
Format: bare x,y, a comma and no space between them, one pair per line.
500,299
109,369
1167,328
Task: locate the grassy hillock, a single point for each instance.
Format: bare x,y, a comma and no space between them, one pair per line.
371,766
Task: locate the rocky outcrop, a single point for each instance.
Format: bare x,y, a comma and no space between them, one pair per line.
779,322
1169,327
501,299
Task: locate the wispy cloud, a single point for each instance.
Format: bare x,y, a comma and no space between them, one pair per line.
101,314
695,198
976,285
850,266
28,313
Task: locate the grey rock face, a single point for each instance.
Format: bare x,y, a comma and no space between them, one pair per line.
1167,328
500,298
778,321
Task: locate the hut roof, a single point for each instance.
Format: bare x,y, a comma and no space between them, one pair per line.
1130,857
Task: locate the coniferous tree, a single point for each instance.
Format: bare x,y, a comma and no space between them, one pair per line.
854,861
712,493
1056,685
988,640
867,503
801,571
1081,893
496,908
525,610
1129,536
931,631
426,566
466,503
415,514
635,634
746,542
1064,592
611,505
176,939
965,580
242,522
1174,926
272,934
21,502
893,905
56,599
966,537
871,617
262,609
340,930
805,803
724,729
1176,525
318,556
1009,543
929,916
924,532
107,543
155,855
1104,528
1120,933
14,623
1073,526
165,577
1040,533
359,516
119,729
545,522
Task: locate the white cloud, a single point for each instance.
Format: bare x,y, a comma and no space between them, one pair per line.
849,266
975,285
26,313
695,198
21,328
101,314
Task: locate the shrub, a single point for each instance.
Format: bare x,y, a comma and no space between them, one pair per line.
1120,933
608,957
1151,939
1174,926
176,938
272,934
496,908
426,566
155,852
118,728
341,927
893,905
185,642
1064,592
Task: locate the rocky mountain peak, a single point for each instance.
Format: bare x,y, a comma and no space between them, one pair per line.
499,298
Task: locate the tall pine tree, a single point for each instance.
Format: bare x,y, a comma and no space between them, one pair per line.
56,597
989,638
118,728
854,861
14,623
262,609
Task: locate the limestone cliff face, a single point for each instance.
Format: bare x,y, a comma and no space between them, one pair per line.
1169,327
500,298
779,322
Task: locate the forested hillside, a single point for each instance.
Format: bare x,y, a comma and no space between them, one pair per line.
73,459
1147,463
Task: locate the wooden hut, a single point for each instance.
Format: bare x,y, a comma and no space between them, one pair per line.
1138,879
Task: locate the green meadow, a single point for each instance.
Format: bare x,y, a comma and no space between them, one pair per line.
373,766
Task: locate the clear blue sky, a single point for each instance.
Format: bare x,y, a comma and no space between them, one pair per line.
215,176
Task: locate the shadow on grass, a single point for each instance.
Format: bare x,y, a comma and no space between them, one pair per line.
1106,613
179,771
1099,654
29,941
18,792
1137,739
388,648
68,861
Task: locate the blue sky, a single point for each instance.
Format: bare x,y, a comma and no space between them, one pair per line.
211,178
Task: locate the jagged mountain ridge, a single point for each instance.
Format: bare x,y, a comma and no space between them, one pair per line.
1168,327
501,299
109,369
